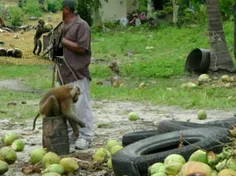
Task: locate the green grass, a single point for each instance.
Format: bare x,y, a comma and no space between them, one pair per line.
161,69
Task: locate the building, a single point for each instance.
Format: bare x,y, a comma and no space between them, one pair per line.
115,9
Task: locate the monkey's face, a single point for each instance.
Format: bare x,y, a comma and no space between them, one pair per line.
75,92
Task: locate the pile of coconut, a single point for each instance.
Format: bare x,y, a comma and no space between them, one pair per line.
200,163
204,80
50,162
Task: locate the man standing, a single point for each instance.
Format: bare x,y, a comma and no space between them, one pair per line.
76,41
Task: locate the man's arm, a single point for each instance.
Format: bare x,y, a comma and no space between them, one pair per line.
72,46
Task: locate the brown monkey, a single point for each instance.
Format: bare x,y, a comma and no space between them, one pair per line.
114,67
39,32
60,101
116,80
2,23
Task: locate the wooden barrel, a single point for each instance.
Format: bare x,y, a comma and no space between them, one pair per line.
55,135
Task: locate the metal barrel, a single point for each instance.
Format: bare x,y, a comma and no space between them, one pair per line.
198,61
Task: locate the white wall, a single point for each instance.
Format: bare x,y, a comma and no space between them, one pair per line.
116,9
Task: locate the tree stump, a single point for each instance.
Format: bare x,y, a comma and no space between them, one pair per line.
55,135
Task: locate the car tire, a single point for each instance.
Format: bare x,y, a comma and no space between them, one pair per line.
171,125
134,159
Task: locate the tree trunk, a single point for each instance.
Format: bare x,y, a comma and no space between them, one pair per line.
97,18
149,8
175,11
220,56
234,11
55,135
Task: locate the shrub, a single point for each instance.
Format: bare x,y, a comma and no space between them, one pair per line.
85,11
85,8
226,8
4,11
16,16
53,5
32,8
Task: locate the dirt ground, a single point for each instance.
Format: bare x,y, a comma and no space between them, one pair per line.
110,121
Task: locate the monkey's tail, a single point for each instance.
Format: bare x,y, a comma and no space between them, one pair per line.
35,119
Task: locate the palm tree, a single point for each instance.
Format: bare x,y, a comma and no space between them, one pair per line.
234,12
220,56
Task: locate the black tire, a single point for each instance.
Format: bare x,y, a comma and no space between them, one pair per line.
168,126
171,125
130,138
134,159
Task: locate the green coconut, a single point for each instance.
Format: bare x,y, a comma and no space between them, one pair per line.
10,138
55,168
227,172
18,145
111,143
50,158
225,78
199,155
191,85
132,116
231,164
51,174
3,167
100,155
109,163
115,149
201,114
214,173
155,168
174,159
203,78
173,169
159,174
70,165
8,155
36,155
195,168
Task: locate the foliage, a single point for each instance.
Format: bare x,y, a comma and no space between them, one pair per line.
85,8
4,11
32,8
194,12
226,8
142,6
16,16
53,5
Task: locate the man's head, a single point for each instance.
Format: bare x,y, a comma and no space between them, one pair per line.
69,4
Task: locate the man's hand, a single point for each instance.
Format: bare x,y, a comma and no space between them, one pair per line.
72,46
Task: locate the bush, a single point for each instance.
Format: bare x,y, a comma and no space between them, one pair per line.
4,10
226,8
16,16
32,8
85,11
53,5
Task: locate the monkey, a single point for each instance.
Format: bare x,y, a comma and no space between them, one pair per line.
114,67
2,23
39,32
115,80
60,101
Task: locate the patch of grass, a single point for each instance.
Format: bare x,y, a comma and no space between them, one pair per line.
160,68
18,105
34,76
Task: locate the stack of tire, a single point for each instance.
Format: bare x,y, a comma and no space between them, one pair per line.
11,53
144,148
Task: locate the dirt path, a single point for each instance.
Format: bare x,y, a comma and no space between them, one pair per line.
111,122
